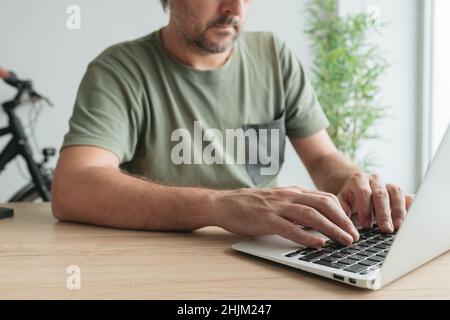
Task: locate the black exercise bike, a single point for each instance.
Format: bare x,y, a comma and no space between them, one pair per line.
41,177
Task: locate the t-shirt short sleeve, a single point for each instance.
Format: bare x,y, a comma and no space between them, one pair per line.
304,114
106,112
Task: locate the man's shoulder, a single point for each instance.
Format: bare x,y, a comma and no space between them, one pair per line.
262,42
127,51
257,38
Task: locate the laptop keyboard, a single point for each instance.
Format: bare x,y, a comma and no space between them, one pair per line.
362,257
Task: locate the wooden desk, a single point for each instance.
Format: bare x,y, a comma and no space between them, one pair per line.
35,251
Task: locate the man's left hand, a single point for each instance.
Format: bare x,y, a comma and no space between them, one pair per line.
366,195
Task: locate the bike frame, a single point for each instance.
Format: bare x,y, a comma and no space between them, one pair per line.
19,145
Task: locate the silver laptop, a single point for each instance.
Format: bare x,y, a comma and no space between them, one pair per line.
376,259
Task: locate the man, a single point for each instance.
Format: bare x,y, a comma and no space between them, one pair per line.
123,163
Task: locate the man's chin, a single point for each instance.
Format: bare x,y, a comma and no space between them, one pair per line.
222,39
222,34
219,47
217,40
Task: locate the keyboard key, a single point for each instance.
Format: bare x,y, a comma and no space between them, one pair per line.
330,259
376,258
340,255
309,250
337,265
365,253
338,246
293,254
356,268
329,249
364,244
349,251
379,238
357,247
347,261
368,262
314,256
383,254
374,250
382,246
334,265
357,257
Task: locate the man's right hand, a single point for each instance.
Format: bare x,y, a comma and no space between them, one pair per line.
255,212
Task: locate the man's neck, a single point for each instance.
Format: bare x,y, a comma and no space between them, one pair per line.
178,47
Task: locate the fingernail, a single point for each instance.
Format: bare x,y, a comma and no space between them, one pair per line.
320,244
387,225
346,238
354,233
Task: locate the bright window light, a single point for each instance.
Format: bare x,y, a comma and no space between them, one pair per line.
441,72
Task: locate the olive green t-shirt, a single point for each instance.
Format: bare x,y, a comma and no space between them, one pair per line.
145,106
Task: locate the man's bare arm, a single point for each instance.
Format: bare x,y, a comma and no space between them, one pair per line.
328,167
89,188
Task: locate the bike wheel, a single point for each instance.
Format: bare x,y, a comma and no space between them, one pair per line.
28,193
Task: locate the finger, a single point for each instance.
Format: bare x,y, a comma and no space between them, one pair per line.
381,204
409,200
345,206
294,233
362,193
330,195
329,206
310,217
398,204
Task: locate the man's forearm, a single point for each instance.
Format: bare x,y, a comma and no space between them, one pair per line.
108,197
331,173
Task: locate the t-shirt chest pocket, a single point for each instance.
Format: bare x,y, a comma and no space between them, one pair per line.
265,147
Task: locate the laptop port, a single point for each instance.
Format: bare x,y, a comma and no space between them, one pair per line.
353,281
337,277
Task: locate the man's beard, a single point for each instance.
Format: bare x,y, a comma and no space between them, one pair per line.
200,40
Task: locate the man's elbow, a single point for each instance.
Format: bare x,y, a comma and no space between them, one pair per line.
61,206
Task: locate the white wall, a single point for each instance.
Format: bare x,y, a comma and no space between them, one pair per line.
35,42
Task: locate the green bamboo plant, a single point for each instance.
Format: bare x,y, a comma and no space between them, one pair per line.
345,73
